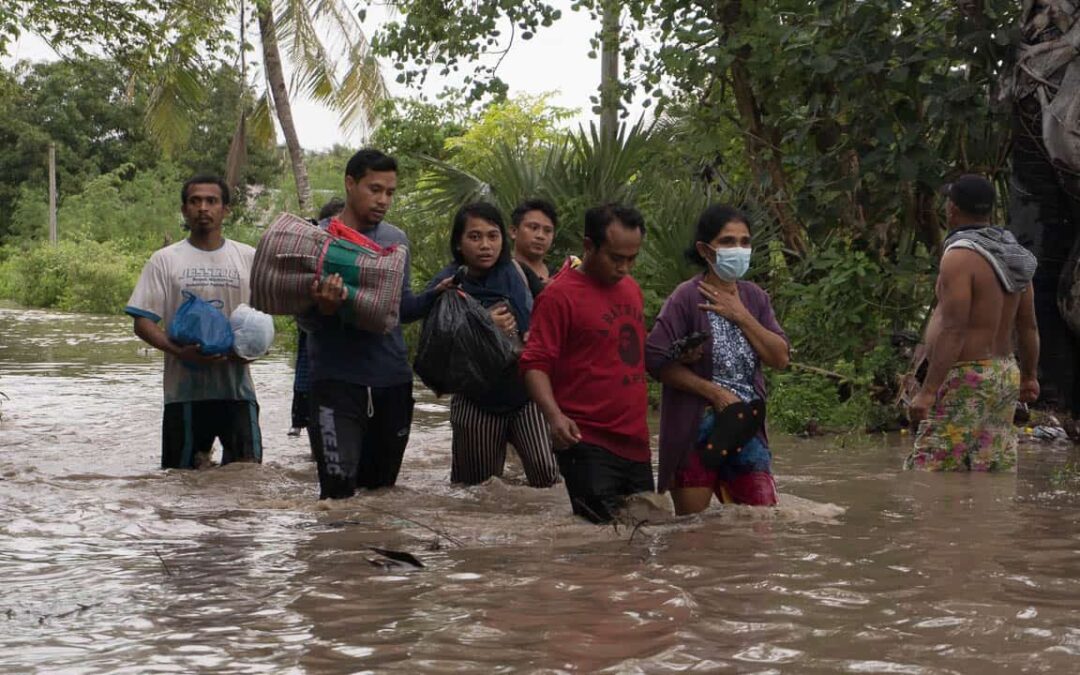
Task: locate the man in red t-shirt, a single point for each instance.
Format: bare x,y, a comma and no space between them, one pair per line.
584,366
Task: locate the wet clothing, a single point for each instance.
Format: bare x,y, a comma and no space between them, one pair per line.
970,425
483,424
189,428
598,481
745,477
223,274
588,338
301,383
479,443
730,484
358,435
681,412
361,391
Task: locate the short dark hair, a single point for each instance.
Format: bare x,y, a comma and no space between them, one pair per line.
369,159
483,211
541,205
332,208
598,218
972,194
206,179
711,221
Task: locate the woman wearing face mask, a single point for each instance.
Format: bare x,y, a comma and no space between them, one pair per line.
483,425
735,320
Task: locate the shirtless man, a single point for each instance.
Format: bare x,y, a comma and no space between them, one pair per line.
964,410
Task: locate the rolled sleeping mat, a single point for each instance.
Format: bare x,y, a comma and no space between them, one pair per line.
292,252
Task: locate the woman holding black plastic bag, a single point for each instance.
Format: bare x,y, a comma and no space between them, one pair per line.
484,422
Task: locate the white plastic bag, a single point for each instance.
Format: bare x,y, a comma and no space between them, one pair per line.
253,332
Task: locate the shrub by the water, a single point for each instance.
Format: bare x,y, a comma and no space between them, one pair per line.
77,276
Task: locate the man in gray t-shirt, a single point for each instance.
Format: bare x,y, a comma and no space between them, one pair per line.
206,397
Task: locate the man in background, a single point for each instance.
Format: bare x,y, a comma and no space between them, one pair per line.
965,407
532,227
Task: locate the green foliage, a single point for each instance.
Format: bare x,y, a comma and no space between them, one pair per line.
117,26
409,128
799,75
77,276
439,37
89,110
840,303
526,123
800,402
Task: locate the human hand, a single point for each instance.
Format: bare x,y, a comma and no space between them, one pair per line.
920,407
564,432
328,294
692,356
722,398
236,358
192,354
724,301
504,320
444,285
1029,390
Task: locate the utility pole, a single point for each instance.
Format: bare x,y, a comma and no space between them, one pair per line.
610,40
52,193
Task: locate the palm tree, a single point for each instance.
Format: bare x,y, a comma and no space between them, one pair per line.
307,32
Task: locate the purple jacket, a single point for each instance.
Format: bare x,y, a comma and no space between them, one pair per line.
680,411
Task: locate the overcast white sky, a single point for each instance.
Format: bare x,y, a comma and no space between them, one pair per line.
555,60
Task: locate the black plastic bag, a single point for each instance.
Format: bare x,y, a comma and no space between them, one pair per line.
461,351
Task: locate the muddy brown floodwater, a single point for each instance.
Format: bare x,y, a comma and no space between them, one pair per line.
108,564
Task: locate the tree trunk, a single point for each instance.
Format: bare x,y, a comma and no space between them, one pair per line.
609,68
763,153
280,94
762,140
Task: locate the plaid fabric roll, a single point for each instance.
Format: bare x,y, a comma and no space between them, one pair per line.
292,252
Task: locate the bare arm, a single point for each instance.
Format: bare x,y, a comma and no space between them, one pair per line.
1027,343
563,429
953,316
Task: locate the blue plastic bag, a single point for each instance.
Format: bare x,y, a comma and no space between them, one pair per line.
202,323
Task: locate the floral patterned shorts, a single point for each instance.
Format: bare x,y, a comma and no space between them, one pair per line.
969,427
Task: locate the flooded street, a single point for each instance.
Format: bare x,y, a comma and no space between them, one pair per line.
109,564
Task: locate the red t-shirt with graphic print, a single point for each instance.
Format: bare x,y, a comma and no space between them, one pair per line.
589,338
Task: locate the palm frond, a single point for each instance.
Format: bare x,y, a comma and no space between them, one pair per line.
311,30
261,121
178,92
442,188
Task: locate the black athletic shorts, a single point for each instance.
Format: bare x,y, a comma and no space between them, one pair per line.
358,441
598,481
190,428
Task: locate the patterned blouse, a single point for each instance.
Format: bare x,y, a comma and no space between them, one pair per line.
734,358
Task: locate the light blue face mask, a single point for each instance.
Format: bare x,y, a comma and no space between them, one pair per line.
731,263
